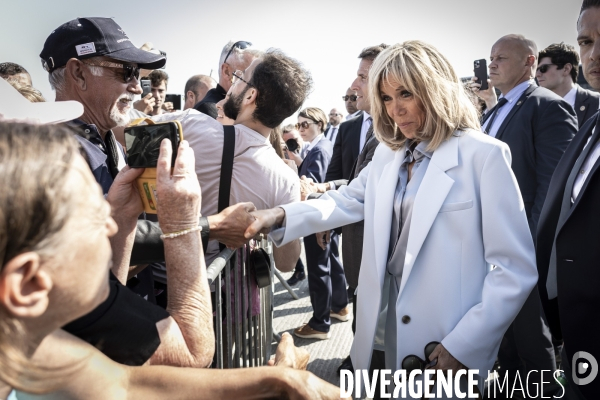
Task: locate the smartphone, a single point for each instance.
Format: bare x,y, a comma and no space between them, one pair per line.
175,99
143,143
146,87
481,72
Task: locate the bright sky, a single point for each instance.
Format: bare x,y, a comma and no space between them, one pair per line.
326,35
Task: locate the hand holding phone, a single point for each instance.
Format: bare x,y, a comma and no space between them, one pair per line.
143,144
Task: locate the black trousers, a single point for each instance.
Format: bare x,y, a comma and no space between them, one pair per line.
326,281
527,344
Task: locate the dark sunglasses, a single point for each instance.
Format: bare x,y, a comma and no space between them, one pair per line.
240,45
544,68
129,71
412,362
304,124
351,97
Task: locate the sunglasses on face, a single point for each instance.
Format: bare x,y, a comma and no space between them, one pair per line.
129,71
304,124
351,97
335,115
412,362
240,45
544,68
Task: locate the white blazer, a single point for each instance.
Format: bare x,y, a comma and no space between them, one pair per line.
468,215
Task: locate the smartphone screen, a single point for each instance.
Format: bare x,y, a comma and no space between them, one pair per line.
480,70
143,143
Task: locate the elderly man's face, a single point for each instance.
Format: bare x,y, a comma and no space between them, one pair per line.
588,37
109,97
508,64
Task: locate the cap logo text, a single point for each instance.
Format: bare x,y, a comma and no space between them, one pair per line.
86,48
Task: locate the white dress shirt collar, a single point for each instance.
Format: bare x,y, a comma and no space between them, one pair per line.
314,142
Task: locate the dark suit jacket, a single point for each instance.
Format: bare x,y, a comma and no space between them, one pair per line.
586,104
575,314
538,129
345,149
208,105
316,161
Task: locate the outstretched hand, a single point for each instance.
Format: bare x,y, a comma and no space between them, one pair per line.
264,220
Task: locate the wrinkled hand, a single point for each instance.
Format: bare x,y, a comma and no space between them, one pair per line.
303,385
123,196
229,226
178,194
288,355
146,104
323,239
488,95
168,106
445,360
305,189
264,220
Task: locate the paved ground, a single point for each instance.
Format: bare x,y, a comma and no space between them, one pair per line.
326,355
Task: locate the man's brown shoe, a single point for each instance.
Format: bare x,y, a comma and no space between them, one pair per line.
342,315
306,332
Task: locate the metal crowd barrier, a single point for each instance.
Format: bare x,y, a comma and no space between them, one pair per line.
243,336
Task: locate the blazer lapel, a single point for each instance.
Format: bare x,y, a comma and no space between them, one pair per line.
515,109
434,188
384,206
356,128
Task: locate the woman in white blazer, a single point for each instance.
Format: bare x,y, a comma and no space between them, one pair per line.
441,206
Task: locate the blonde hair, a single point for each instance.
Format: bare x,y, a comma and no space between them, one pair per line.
28,91
428,75
315,114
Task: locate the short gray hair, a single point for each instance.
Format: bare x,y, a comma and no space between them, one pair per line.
57,77
237,53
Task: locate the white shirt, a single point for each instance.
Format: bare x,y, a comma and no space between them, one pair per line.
314,142
512,96
332,132
350,116
259,175
570,97
366,124
586,168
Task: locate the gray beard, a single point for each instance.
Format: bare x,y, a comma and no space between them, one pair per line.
118,118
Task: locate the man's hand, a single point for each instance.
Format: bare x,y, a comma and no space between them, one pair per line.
179,195
488,95
124,197
306,188
288,355
445,360
264,220
229,226
145,105
323,239
168,106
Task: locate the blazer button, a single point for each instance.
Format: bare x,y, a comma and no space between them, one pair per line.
405,319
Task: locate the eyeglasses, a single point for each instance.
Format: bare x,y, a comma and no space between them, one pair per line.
335,115
129,71
238,75
304,124
240,45
351,97
412,362
544,68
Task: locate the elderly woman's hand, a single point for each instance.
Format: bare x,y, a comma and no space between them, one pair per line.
179,197
123,196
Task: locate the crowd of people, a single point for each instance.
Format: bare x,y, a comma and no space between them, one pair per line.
467,215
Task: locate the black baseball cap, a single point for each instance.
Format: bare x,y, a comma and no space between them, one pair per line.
84,38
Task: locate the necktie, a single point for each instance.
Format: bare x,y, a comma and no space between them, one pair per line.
501,102
551,282
369,131
332,132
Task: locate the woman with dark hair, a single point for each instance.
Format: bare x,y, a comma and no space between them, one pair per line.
326,280
441,207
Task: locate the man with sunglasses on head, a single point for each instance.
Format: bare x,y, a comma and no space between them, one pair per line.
557,71
234,56
92,61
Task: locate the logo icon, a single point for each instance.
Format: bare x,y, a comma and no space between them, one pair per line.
584,363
